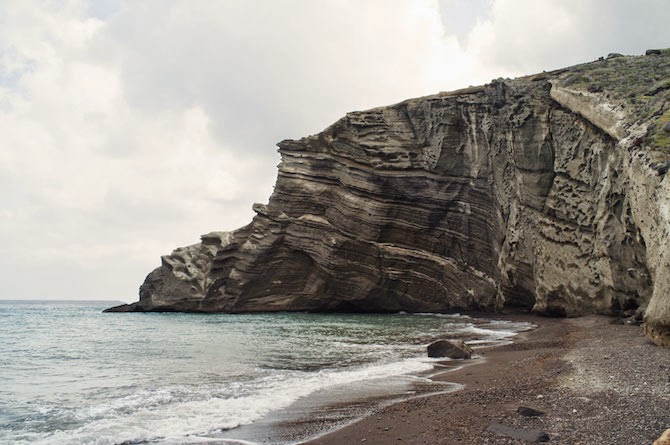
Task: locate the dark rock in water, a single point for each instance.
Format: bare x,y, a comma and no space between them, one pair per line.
529,412
533,436
123,308
450,348
654,52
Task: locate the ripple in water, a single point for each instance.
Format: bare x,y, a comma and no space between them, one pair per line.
72,375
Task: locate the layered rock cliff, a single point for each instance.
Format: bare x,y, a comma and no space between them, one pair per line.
547,192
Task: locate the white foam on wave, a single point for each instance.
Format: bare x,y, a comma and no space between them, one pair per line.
179,414
486,334
484,331
493,332
173,415
438,315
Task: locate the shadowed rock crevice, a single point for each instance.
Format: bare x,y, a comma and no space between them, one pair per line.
531,193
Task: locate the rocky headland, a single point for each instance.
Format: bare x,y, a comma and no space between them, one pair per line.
546,193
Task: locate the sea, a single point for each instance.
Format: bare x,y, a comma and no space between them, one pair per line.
71,374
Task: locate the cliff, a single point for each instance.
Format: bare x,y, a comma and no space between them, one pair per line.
547,192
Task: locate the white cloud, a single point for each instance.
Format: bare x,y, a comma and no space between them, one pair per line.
527,36
129,128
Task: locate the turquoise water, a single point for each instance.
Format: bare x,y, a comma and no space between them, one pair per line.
70,374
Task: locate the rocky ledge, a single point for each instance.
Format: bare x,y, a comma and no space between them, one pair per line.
547,193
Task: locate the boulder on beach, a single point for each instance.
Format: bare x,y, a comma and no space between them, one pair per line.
529,412
450,348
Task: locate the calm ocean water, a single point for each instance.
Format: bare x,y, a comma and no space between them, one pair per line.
70,374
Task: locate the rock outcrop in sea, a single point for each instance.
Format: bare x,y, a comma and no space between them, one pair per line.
547,192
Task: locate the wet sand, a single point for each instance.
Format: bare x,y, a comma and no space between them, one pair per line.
595,382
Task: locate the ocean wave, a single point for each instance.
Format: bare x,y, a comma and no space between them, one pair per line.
178,413
191,377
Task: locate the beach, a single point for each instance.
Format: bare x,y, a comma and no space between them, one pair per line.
323,379
73,375
594,381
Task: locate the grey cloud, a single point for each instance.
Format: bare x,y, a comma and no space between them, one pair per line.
459,16
265,72
531,36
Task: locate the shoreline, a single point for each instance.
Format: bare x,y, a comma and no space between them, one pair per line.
595,382
333,408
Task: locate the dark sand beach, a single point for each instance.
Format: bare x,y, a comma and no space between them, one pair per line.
596,383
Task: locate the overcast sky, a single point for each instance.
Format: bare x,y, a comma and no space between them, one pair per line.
128,128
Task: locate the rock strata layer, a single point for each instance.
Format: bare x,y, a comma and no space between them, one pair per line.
547,192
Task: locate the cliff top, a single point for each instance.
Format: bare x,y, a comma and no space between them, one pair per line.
638,86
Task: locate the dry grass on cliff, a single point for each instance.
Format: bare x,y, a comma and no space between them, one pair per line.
640,85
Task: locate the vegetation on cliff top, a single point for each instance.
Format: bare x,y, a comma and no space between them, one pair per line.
640,85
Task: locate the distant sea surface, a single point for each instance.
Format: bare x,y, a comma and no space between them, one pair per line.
70,374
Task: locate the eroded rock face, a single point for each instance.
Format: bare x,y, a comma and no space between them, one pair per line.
183,279
531,192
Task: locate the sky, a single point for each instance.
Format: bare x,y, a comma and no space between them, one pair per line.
129,128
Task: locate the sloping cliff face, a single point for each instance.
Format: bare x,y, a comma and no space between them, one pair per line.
547,192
